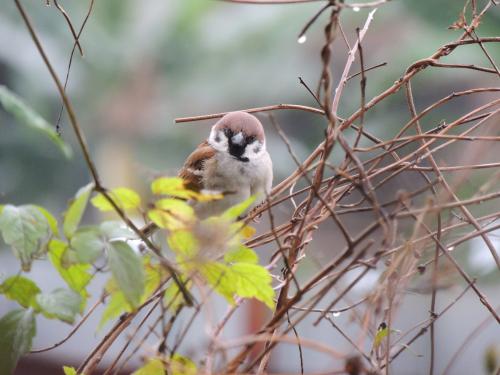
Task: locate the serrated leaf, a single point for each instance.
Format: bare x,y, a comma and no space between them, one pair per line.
116,229
17,329
237,210
69,370
26,230
241,254
172,214
62,304
127,270
154,366
28,117
184,243
20,289
75,211
181,365
76,276
88,245
124,198
242,279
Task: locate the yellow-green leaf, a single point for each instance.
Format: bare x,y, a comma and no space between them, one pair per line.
76,208
20,289
69,370
241,254
237,210
50,219
181,365
124,198
154,366
382,332
172,214
76,275
183,243
175,187
117,304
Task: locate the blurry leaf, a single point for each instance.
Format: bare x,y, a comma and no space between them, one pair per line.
62,304
20,289
184,243
492,359
124,198
382,332
26,229
88,245
172,214
155,274
17,329
75,211
172,298
128,271
117,305
175,187
76,276
242,279
27,116
247,231
50,219
154,366
180,365
242,254
116,229
237,210
69,370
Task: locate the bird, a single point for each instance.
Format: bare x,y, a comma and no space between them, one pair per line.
234,161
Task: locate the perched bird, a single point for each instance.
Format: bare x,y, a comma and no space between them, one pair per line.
233,161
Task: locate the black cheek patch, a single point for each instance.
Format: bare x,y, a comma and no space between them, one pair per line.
217,138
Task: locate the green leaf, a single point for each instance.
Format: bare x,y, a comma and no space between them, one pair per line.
26,230
175,187
88,245
242,279
117,305
382,332
17,329
154,366
180,365
69,370
184,243
27,116
127,270
20,289
75,211
242,254
172,214
125,198
76,276
237,210
116,229
50,219
62,304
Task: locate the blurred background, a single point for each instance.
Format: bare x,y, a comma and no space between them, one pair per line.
147,63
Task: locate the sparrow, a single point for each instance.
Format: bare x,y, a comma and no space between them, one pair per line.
232,161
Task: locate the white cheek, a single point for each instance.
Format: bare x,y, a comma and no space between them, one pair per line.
254,150
218,140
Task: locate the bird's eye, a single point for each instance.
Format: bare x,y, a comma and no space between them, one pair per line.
250,139
228,133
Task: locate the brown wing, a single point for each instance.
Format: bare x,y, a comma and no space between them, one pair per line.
192,171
